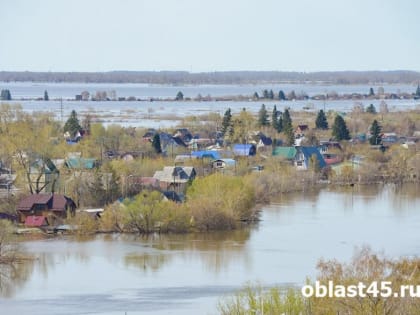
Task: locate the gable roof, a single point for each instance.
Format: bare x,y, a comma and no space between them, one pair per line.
206,154
175,174
54,202
244,149
309,151
172,196
288,153
80,163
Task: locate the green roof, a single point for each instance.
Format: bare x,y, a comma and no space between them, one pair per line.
81,163
288,153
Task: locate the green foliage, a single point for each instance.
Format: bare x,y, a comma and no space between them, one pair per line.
371,109
227,122
220,202
257,300
418,91
375,132
371,92
156,144
5,95
256,96
282,97
144,214
339,129
72,125
7,241
288,128
46,97
275,118
321,121
179,96
263,117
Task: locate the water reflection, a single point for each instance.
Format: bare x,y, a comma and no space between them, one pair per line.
117,273
13,276
216,250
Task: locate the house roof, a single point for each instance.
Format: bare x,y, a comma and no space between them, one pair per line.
244,149
175,174
172,195
36,220
80,163
206,154
54,202
288,153
266,140
309,151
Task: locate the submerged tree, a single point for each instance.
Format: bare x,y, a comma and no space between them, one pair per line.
339,129
371,109
179,96
282,96
5,95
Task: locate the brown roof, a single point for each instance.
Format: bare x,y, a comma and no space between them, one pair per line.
54,202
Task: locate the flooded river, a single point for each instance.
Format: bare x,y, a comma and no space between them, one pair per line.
188,274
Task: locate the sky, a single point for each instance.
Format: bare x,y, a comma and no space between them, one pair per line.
209,35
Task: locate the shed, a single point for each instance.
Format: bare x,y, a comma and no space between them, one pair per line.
36,221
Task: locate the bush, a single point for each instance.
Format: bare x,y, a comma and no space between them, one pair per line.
220,202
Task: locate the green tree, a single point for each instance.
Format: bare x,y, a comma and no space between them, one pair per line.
288,128
143,214
179,96
282,97
274,117
321,121
263,117
5,95
227,121
418,91
156,144
72,125
8,245
371,109
46,97
339,129
276,120
375,132
271,95
371,92
256,96
265,94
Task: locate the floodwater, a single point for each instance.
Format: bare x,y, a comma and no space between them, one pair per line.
189,274
163,114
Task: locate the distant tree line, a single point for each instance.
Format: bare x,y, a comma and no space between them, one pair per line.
221,77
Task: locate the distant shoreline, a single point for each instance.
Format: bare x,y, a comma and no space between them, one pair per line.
218,77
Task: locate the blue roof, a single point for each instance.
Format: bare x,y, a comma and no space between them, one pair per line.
244,149
206,154
309,151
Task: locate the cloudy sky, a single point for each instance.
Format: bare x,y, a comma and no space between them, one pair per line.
209,35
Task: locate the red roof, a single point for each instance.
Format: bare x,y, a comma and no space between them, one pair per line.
54,202
36,221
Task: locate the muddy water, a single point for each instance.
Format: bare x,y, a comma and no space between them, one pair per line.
188,274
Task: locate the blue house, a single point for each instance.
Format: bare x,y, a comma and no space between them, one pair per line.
244,149
215,155
303,157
